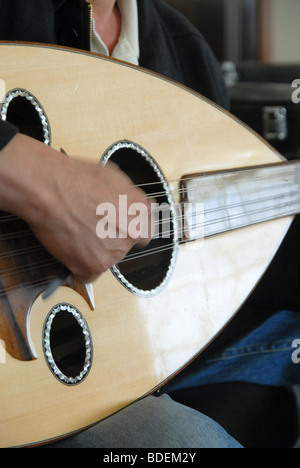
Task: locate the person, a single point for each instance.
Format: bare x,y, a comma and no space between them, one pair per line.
153,35
68,23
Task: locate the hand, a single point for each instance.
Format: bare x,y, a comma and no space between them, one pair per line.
58,197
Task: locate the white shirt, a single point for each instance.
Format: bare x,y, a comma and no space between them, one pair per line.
127,47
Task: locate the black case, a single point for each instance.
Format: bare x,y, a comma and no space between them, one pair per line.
261,96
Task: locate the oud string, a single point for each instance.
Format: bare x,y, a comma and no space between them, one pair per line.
27,232
207,212
134,256
205,181
289,169
202,179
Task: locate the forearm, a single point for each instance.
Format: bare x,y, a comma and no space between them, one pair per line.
58,197
24,177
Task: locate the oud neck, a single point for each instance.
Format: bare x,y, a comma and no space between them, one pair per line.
244,197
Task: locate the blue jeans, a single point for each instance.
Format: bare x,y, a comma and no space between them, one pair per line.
153,423
264,356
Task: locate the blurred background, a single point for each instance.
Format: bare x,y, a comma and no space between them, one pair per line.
238,30
257,42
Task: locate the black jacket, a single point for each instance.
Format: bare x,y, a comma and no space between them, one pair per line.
169,44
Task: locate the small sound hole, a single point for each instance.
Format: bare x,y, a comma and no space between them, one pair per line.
23,110
67,344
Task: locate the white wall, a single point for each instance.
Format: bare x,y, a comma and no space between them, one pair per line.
285,31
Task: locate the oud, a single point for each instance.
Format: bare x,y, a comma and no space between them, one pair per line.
87,351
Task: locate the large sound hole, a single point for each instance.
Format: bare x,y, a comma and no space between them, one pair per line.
67,344
23,110
145,271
